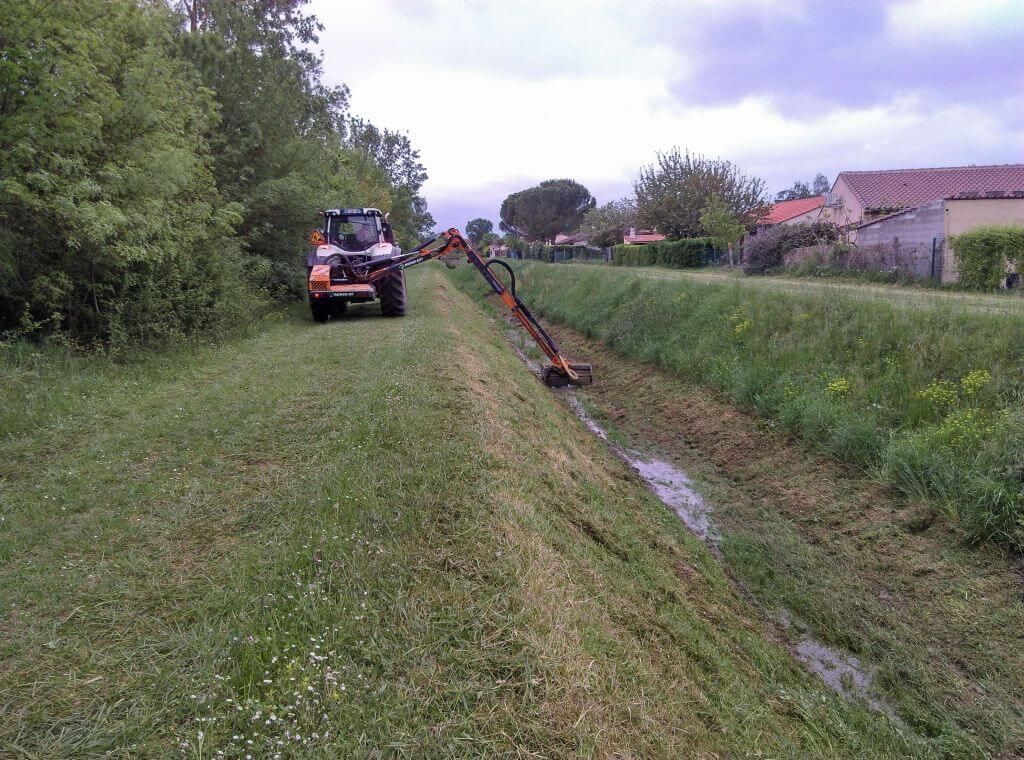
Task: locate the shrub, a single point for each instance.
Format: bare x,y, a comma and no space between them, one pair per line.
983,254
766,250
282,281
676,254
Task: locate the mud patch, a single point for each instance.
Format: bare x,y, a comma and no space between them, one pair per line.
841,672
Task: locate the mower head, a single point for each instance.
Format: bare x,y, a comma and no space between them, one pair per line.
556,377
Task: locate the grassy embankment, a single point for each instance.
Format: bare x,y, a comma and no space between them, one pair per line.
374,535
925,393
912,294
857,565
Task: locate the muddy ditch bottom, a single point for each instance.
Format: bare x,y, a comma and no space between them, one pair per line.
840,671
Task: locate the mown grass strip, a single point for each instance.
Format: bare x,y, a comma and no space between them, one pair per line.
373,537
929,398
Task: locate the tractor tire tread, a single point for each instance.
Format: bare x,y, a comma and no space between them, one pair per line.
393,297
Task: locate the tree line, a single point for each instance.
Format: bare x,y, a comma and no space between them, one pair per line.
161,164
681,194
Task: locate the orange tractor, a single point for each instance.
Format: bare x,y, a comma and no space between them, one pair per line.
355,260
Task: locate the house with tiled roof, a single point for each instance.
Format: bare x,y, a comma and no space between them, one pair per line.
910,214
858,197
577,238
799,211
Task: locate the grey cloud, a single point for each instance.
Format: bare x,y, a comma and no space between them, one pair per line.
839,54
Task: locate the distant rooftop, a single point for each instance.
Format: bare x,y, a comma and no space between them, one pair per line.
634,236
575,239
784,210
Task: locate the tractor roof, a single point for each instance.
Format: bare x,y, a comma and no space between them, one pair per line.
353,212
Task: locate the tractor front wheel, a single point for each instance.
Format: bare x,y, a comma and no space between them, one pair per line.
393,300
321,311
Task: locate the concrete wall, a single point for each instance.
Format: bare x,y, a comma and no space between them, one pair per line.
910,236
910,233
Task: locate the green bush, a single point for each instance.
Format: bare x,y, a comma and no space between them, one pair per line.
111,224
982,254
766,250
927,397
676,254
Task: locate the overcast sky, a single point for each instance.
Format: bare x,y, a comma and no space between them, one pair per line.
498,96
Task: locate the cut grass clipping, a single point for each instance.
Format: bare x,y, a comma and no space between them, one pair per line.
928,397
366,538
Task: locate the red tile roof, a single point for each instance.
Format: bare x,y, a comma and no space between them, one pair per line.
784,210
904,188
577,238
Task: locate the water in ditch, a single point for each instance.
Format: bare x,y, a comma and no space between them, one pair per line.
841,672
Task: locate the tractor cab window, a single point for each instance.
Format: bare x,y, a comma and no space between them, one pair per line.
354,233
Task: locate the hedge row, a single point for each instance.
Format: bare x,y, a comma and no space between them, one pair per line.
677,254
983,254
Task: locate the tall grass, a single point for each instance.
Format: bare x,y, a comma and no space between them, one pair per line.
928,397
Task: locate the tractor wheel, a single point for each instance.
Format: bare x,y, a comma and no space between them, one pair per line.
392,295
339,309
321,311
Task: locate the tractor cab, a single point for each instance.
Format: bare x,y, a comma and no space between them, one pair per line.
354,230
353,236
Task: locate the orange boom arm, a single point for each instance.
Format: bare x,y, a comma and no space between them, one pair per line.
560,372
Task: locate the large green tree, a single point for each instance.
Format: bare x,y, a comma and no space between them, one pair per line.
604,225
477,228
552,207
722,226
279,124
111,225
287,144
394,154
145,149
672,193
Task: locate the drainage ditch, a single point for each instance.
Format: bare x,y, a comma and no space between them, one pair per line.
841,672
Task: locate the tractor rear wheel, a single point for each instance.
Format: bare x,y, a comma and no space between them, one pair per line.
393,300
339,309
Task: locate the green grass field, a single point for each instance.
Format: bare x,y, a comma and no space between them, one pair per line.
928,398
369,538
896,295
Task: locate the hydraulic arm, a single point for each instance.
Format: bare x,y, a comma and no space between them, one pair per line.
560,372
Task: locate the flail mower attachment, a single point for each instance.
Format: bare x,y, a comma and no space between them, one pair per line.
556,377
